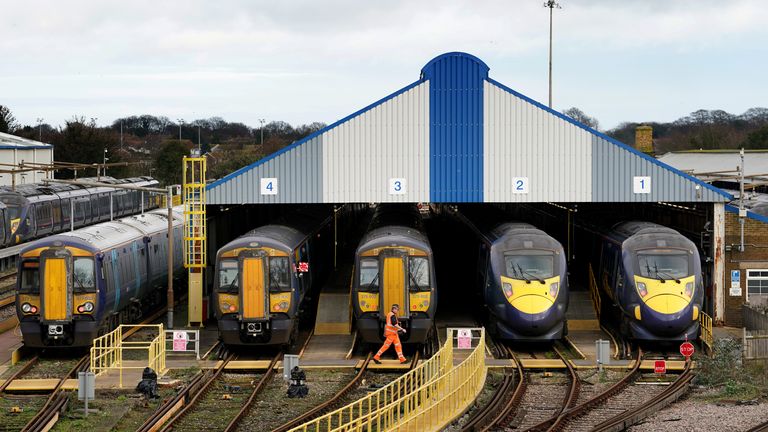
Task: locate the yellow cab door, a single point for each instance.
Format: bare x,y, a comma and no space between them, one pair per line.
394,287
253,288
55,299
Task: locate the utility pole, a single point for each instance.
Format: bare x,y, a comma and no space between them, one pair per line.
742,211
169,293
40,125
199,146
551,4
180,122
121,134
261,129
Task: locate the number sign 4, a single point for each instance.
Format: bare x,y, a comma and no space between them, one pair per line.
269,186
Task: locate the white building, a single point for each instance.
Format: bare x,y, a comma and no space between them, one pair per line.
15,150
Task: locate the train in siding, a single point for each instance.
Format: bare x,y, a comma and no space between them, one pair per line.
652,274
522,277
35,210
394,265
265,277
75,286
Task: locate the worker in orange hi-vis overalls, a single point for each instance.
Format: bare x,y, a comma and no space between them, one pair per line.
391,327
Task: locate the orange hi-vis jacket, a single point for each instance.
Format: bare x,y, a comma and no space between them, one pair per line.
389,328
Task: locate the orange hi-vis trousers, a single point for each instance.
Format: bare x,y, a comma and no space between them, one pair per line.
391,338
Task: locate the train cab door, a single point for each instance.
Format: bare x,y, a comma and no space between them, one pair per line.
394,287
56,284
253,285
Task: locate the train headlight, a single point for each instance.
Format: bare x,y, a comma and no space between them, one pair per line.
26,308
282,306
689,289
88,306
642,289
507,288
553,288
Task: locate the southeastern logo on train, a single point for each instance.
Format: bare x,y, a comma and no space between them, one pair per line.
530,281
262,315
57,297
667,292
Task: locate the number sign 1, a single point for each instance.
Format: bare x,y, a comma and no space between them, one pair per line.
641,185
397,186
520,185
269,186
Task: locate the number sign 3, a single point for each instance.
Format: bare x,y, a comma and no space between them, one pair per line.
269,186
397,186
520,185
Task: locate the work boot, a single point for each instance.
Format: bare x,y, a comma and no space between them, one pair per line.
376,360
403,360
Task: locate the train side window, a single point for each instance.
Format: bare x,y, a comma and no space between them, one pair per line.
369,275
418,273
30,277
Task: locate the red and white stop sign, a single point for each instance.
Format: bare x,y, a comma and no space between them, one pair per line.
660,366
686,349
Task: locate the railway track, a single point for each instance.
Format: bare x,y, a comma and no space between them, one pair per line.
763,427
47,416
633,415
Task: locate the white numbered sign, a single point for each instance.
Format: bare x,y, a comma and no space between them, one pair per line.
641,185
269,186
397,186
520,185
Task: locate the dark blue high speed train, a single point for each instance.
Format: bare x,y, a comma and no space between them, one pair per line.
522,274
75,286
653,275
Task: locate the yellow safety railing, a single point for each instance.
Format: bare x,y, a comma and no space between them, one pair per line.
367,413
594,292
706,337
194,212
441,401
107,350
425,399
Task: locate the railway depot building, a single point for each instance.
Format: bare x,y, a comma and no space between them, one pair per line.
456,135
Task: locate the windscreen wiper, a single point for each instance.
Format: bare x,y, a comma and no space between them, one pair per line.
533,276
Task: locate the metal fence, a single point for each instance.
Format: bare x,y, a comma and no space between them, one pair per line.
107,351
705,322
755,344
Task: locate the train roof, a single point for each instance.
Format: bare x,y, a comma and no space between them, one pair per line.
648,235
399,214
106,235
394,234
289,231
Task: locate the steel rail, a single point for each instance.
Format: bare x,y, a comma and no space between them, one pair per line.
631,416
49,413
201,391
570,397
559,423
21,371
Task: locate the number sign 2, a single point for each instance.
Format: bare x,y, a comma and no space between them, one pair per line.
397,186
269,186
520,185
641,185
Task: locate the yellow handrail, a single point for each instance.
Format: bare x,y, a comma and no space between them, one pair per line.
594,292
706,337
426,398
107,351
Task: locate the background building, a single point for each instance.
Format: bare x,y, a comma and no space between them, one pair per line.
15,150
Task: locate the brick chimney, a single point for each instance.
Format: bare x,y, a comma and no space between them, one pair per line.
644,139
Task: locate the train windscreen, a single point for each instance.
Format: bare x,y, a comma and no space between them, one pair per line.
418,273
659,265
528,266
30,278
279,277
369,274
228,274
83,275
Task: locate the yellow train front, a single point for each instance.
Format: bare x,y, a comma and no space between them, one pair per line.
394,265
264,277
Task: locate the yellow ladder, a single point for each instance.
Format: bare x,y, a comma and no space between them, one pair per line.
195,234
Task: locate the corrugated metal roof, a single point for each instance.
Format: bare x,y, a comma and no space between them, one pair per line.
8,141
703,162
457,135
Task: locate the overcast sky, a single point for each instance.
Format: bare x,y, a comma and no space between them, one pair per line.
320,60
